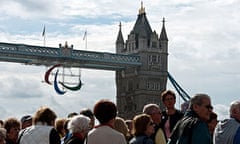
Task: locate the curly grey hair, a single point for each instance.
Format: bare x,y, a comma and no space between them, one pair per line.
79,124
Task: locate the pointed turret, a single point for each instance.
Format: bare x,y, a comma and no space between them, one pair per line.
163,35
120,36
142,27
120,40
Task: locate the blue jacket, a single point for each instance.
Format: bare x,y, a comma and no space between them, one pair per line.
190,130
142,139
237,137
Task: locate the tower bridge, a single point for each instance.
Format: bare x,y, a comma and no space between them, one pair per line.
140,62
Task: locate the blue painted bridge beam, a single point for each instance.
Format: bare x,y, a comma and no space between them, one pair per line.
67,56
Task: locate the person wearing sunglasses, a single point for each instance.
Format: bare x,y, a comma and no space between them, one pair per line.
193,128
143,128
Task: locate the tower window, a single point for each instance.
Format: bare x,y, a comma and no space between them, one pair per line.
148,85
153,59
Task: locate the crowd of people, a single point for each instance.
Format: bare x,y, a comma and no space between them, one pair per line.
197,125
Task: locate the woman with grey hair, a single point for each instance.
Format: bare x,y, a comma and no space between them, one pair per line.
78,127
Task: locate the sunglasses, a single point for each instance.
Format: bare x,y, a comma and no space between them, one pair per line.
208,107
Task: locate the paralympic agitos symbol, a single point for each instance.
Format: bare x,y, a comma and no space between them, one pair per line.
56,87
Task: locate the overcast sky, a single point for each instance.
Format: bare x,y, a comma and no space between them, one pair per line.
203,48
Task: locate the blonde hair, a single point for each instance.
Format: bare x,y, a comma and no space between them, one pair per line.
121,126
45,115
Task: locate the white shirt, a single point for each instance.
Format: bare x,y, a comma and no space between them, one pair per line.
105,135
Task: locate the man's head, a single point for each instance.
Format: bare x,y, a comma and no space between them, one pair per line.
154,111
12,126
104,111
26,121
201,105
235,110
169,99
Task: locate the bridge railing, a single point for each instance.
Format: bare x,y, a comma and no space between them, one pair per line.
29,50
105,56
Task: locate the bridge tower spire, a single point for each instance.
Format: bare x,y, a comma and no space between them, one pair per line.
120,40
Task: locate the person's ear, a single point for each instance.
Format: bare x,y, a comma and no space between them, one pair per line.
195,107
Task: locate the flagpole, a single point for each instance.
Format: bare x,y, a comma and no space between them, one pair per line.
85,38
44,41
44,36
86,41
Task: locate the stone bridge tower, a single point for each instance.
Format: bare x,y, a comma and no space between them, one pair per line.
139,86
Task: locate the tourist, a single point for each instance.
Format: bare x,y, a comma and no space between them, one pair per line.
212,122
42,131
143,128
228,130
105,112
12,126
170,115
78,126
67,132
120,126
129,124
59,126
65,126
72,114
26,121
193,128
154,111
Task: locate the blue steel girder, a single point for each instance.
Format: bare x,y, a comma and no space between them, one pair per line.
179,89
39,55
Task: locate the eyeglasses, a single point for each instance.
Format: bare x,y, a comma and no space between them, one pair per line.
209,107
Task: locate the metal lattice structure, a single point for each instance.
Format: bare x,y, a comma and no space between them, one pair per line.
67,56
